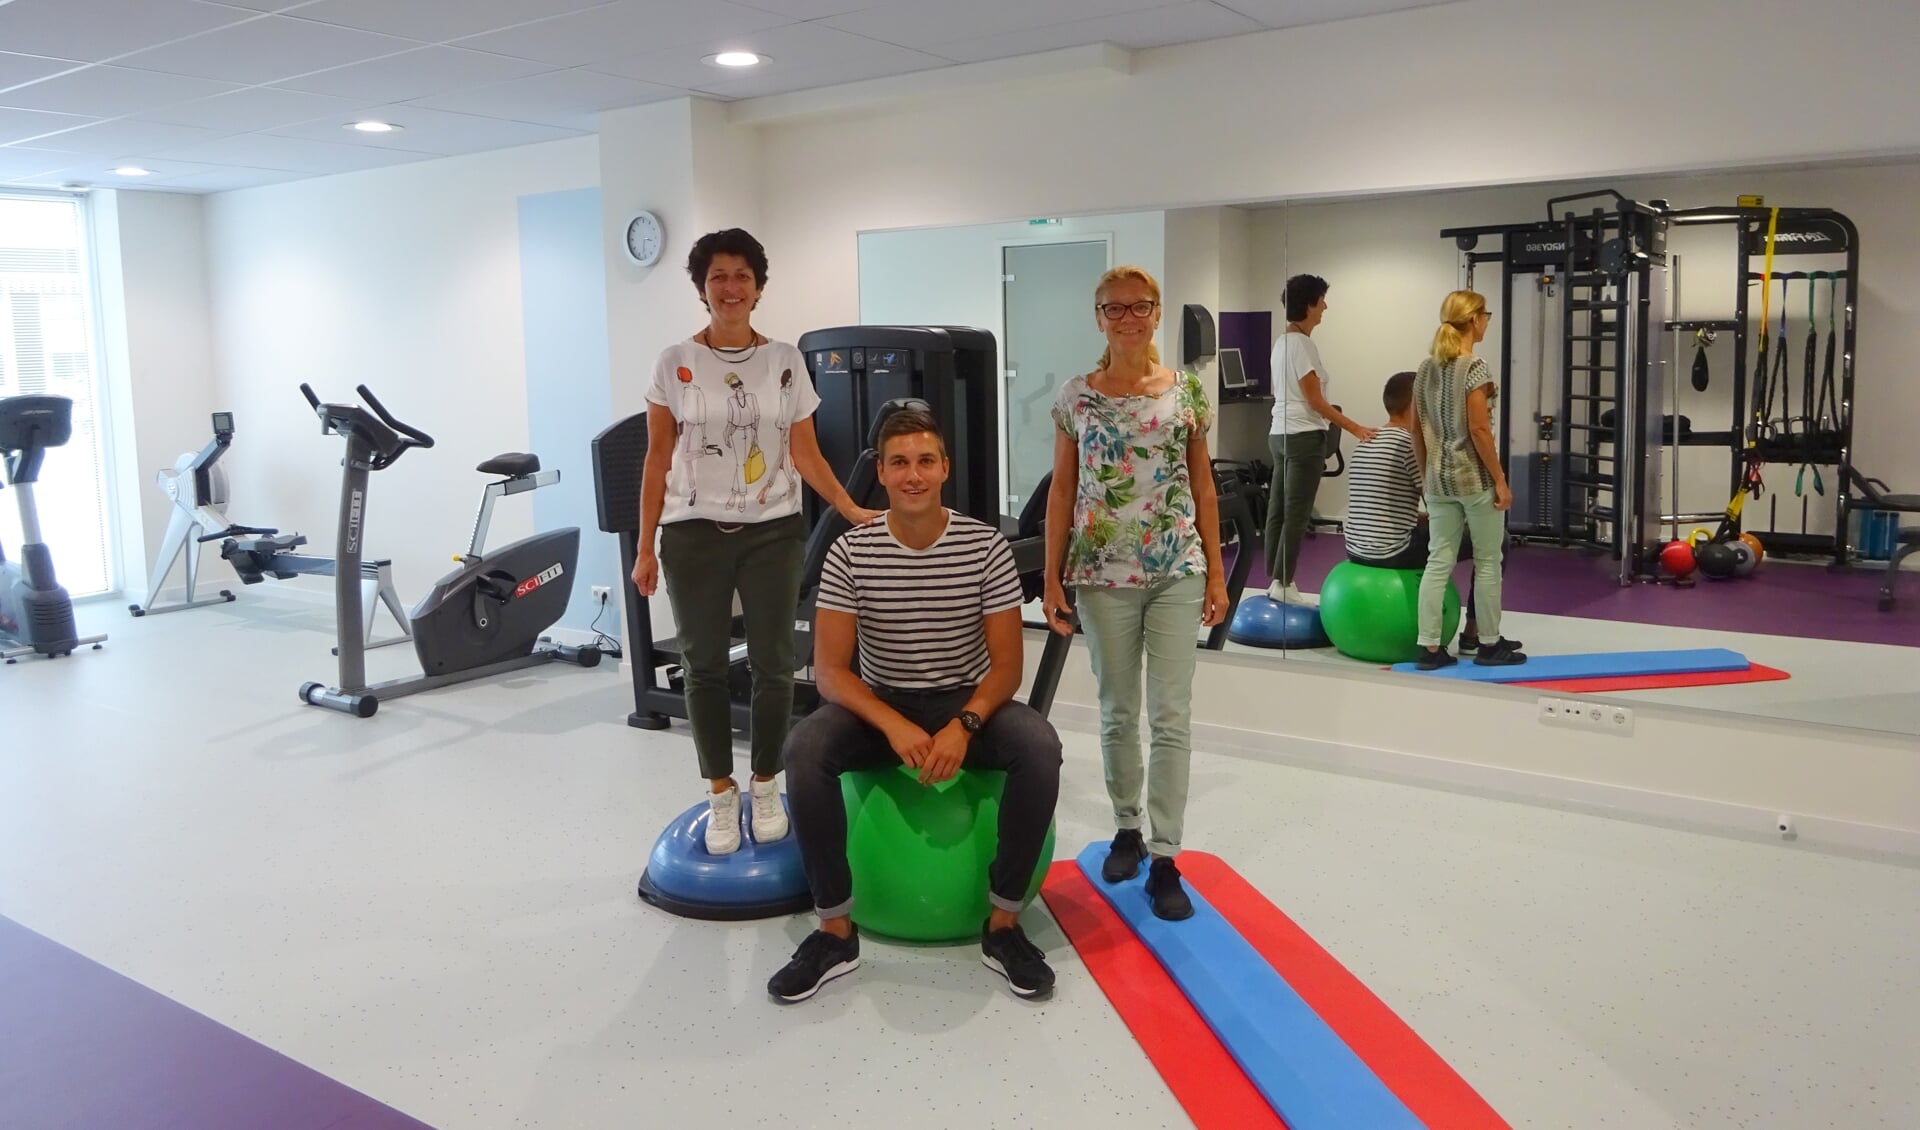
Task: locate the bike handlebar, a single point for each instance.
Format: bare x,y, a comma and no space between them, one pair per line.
417,437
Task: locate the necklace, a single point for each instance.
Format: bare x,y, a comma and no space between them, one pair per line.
741,353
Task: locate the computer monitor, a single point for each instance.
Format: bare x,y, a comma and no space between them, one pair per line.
1233,372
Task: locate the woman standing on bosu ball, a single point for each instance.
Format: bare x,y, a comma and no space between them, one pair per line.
1133,525
720,533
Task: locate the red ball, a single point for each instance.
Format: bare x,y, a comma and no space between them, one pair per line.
1677,559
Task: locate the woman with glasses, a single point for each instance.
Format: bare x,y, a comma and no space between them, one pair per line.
1133,525
704,489
1298,439
1465,486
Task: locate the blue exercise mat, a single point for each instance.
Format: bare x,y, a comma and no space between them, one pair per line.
1539,668
1308,1074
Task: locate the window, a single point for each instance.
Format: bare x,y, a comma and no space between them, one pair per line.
47,346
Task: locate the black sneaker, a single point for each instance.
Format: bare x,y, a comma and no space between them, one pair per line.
1124,857
1434,660
1503,653
1170,899
820,958
1470,644
1008,952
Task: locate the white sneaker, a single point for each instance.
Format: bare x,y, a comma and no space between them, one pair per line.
1277,593
723,822
1303,599
769,815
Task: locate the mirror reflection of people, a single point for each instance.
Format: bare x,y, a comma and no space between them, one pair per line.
930,601
1133,527
1298,438
716,540
1466,487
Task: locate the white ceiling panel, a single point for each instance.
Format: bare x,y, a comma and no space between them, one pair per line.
434,131
436,21
97,30
923,23
20,161
800,55
253,108
414,74
19,125
269,151
1156,27
124,138
266,5
16,69
624,28
814,9
266,49
1299,13
110,92
225,179
568,98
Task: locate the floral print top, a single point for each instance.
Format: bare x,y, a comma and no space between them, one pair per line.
1134,522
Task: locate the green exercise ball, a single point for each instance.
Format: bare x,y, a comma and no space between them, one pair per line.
919,853
1374,614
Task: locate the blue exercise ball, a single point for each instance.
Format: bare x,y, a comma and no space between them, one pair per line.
1261,621
758,881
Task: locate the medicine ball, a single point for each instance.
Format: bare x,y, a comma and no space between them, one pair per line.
1744,559
1753,543
1716,559
1677,559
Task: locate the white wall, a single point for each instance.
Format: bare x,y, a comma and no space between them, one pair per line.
1389,269
1377,120
408,280
150,250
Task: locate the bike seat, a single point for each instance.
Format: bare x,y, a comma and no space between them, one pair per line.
512,464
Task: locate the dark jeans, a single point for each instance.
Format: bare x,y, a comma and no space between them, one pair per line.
1415,557
833,740
1299,462
703,565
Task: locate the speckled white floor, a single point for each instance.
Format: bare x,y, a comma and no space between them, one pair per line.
436,907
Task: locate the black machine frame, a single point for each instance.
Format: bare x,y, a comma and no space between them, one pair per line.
1581,485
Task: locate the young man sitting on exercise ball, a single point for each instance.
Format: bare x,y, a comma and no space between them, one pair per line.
932,601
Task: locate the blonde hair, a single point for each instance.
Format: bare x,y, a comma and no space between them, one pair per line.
1134,274
1456,319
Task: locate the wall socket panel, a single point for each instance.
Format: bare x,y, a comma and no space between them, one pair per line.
1595,717
601,594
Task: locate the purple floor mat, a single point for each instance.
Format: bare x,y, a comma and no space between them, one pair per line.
1780,599
82,1047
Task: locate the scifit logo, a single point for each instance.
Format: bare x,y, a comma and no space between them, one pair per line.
537,580
353,521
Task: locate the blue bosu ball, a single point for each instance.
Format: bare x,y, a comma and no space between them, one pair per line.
1261,621
758,881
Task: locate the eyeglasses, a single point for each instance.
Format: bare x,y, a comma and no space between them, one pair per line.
1487,314
1114,311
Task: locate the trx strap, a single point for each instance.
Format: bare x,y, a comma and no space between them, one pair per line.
1760,363
1780,375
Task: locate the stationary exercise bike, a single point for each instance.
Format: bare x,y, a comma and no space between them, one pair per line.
197,488
36,614
484,618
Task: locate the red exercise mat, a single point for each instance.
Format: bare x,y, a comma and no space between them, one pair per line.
1756,673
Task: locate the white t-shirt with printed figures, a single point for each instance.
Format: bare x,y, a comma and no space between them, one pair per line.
732,461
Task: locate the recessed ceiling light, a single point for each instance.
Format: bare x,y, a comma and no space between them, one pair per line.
372,127
736,59
132,171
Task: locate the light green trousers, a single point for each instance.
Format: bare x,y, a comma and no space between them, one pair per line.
1150,631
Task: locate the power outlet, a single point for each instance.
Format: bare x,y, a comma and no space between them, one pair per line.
601,594
1596,717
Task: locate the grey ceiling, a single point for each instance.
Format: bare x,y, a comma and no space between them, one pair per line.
213,96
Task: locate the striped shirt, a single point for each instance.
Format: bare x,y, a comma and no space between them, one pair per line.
1383,495
922,611
1440,395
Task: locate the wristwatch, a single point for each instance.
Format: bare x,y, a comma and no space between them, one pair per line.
971,722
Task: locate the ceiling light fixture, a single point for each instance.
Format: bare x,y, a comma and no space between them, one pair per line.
132,171
736,59
372,127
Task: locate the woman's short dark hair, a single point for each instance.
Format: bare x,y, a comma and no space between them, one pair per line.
1301,293
732,241
909,422
1398,394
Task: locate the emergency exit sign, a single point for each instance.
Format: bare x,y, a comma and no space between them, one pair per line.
1043,223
